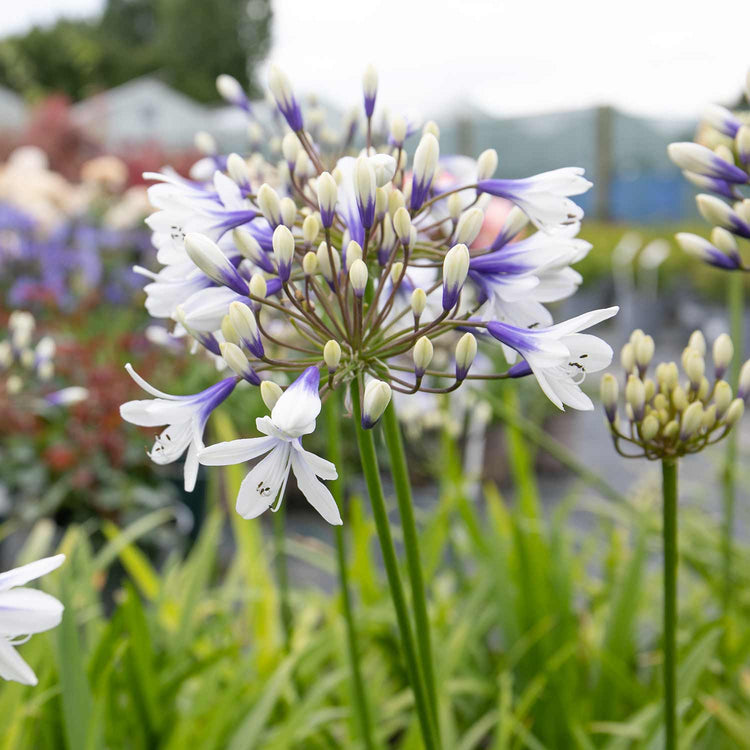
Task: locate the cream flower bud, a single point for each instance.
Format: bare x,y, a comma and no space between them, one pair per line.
425,162
210,258
455,270
381,202
376,398
709,417
230,89
288,212
327,196
238,362
246,326
396,200
269,204
691,420
744,386
635,395
370,88
466,351
422,354
644,352
671,429
396,270
723,351
324,261
734,412
310,263
353,252
398,130
469,226
486,164
290,147
455,206
431,128
249,247
418,302
205,143
238,170
283,250
609,394
697,341
365,185
270,392
724,240
228,331
402,225
302,163
258,286
725,153
332,355
742,143
649,428
695,367
648,384
358,277
627,357
722,397
679,398
310,229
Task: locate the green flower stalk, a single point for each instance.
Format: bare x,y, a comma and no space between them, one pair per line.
667,417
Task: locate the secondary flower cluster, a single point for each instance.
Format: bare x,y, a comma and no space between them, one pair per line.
664,416
25,365
720,165
336,268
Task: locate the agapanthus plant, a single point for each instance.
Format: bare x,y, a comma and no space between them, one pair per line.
345,270
666,418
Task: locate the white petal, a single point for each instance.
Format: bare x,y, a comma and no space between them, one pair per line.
235,451
597,354
191,467
13,667
317,494
320,466
264,483
26,573
156,412
147,386
24,611
298,407
544,384
580,322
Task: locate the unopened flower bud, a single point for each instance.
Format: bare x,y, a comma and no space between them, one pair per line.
697,341
431,128
691,420
418,302
228,331
455,270
422,354
270,392
455,206
310,263
238,362
466,351
722,397
648,384
230,89
246,326
238,170
288,212
250,248
635,395
332,355
486,164
281,89
402,225
425,162
370,88
724,240
290,147
734,412
358,277
644,352
310,229
744,385
609,394
398,130
679,398
376,398
627,357
365,185
353,252
723,351
269,204
205,143
695,367
210,258
327,196
283,250
258,286
469,226
671,429
649,428
709,417
396,270
396,200
324,262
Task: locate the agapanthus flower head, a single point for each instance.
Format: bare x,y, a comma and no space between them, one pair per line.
667,416
724,172
339,266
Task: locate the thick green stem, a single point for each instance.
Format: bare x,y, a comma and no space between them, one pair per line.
669,533
402,485
279,535
369,461
333,428
736,313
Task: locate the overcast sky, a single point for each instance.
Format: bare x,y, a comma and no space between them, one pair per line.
658,57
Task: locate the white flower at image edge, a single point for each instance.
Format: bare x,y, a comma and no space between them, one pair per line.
23,612
293,415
